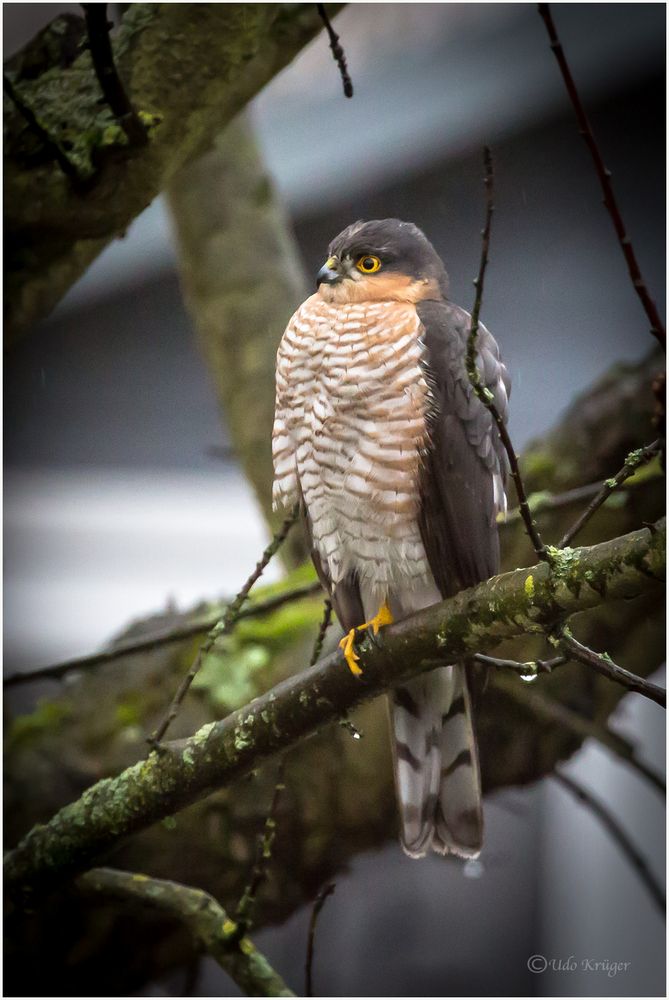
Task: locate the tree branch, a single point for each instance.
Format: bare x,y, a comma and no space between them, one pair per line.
604,176
633,462
165,638
523,601
546,708
209,923
604,665
612,825
188,70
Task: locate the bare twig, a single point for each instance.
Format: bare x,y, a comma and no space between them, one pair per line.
50,144
105,69
337,51
164,638
319,903
612,825
604,175
531,668
481,390
246,907
225,626
206,919
542,502
633,461
603,664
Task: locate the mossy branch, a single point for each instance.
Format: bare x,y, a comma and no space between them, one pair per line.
520,602
188,69
209,923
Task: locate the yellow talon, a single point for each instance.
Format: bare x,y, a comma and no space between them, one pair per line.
382,617
350,654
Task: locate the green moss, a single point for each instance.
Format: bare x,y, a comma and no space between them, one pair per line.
47,717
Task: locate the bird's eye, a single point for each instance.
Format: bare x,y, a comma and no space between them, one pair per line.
368,264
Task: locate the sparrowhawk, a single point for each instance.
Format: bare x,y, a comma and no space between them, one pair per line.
400,472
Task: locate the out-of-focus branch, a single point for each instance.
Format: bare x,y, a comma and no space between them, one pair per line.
523,601
205,917
319,903
604,176
613,827
165,638
242,278
547,709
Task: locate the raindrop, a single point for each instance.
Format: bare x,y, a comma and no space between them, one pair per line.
473,868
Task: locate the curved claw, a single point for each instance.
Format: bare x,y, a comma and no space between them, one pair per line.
350,654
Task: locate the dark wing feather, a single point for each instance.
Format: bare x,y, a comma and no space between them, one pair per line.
465,468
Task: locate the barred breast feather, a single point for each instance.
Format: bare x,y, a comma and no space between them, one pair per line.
349,433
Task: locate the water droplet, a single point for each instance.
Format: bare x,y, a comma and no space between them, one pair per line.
473,868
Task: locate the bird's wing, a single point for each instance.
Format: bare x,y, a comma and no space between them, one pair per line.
465,468
462,489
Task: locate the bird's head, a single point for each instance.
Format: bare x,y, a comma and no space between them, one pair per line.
383,259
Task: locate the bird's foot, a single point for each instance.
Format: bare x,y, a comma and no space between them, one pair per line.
382,617
350,654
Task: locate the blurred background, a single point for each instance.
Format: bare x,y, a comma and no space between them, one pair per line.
122,498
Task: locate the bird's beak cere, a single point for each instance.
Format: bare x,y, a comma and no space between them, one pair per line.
329,274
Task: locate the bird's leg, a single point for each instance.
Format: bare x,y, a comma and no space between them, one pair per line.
382,617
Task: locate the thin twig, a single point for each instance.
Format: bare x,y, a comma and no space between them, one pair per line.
337,51
246,906
604,175
603,664
319,903
112,88
531,668
225,626
480,389
206,919
612,825
634,460
164,638
541,502
50,144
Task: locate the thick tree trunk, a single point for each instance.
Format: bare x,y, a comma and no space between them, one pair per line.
242,279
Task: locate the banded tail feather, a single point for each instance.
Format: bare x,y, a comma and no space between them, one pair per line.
436,765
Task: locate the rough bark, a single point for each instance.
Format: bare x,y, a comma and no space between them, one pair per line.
188,70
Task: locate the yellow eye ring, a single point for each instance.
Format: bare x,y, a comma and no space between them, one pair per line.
368,264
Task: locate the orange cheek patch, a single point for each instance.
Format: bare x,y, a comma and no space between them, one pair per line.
380,287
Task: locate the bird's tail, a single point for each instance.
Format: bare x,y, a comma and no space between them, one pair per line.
436,764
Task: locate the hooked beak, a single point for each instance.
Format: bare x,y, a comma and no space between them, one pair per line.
329,273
